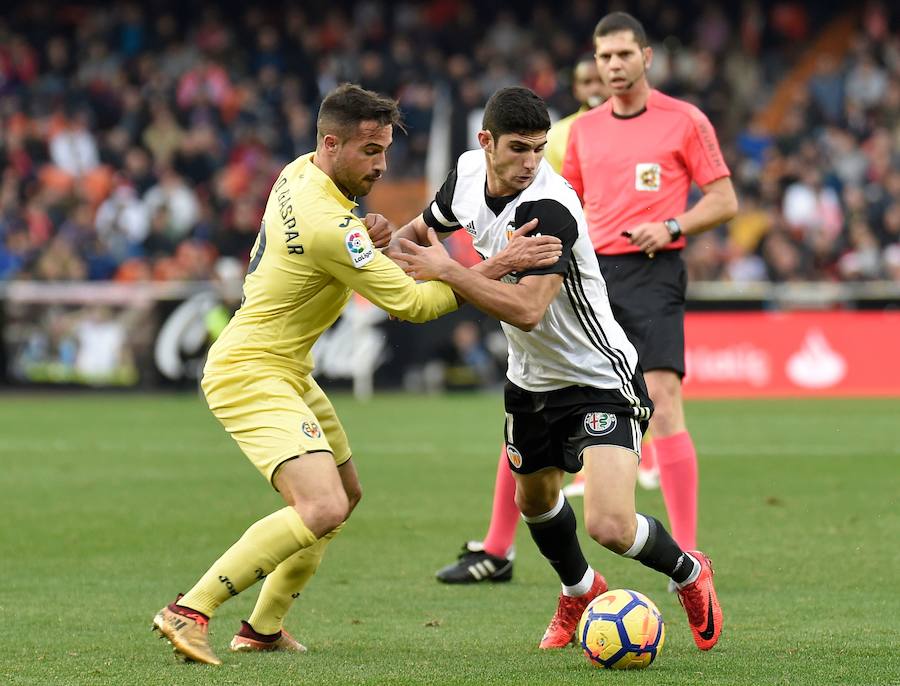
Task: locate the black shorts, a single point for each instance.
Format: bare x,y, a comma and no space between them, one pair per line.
647,299
552,429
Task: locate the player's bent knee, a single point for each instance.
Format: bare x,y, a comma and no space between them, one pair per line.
354,495
324,514
612,532
534,505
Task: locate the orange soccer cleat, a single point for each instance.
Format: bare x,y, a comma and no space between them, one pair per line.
701,604
568,613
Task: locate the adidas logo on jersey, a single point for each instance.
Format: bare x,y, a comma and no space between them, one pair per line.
470,229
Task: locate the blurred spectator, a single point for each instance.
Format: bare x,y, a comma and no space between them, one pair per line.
863,259
783,258
463,363
163,135
866,82
15,252
892,262
159,241
827,89
810,207
179,201
60,262
235,237
74,149
123,222
703,258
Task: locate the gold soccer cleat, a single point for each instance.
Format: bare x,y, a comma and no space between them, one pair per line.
188,632
247,640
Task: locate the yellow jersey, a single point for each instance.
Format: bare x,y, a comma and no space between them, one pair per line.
558,139
309,257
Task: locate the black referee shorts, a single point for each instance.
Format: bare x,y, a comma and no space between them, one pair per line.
647,298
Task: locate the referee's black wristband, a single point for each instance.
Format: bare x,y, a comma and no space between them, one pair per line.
674,229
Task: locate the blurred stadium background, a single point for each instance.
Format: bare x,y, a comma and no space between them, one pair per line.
138,142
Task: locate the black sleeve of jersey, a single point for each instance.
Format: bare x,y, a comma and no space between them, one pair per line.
554,219
443,201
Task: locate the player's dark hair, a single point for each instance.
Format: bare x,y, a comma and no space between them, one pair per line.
585,58
348,105
515,109
615,22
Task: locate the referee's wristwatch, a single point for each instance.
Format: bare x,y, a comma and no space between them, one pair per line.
674,229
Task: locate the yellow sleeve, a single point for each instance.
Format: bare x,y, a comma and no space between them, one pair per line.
555,150
349,256
557,142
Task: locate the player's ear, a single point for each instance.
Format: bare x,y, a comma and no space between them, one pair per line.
330,142
648,57
486,141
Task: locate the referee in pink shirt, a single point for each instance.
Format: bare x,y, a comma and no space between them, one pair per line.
632,161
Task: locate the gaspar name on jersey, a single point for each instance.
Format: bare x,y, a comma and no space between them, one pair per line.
288,220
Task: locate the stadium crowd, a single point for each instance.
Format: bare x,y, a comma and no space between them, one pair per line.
139,145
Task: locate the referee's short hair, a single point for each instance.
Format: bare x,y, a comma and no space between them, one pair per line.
348,105
515,109
614,22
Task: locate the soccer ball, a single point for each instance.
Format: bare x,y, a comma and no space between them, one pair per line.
621,629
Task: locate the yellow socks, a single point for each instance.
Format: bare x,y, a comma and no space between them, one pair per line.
262,547
282,586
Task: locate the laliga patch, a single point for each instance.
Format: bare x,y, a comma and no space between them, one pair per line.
599,423
359,248
311,430
515,457
647,176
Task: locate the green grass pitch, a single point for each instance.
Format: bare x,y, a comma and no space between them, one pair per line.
112,504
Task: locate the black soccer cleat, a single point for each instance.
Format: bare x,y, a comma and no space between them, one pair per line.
474,565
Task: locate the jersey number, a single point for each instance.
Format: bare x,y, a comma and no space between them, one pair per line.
260,249
257,256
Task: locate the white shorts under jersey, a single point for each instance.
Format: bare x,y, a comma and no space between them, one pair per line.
578,342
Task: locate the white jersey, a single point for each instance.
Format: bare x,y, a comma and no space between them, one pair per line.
578,342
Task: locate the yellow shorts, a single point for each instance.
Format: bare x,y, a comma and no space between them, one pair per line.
274,416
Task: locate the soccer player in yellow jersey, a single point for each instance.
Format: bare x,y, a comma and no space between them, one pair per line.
589,91
312,253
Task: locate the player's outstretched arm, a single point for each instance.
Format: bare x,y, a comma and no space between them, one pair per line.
522,304
350,257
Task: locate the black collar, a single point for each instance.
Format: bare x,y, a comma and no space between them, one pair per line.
498,204
629,116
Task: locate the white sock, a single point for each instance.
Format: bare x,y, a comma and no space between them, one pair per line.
640,536
582,586
550,514
693,577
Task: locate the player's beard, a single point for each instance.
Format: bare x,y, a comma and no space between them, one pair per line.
354,185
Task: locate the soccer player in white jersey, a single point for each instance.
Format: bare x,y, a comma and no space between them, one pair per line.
575,394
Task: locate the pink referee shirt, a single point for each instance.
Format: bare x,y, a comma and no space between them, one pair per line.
638,169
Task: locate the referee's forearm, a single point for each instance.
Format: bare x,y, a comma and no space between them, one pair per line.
713,209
